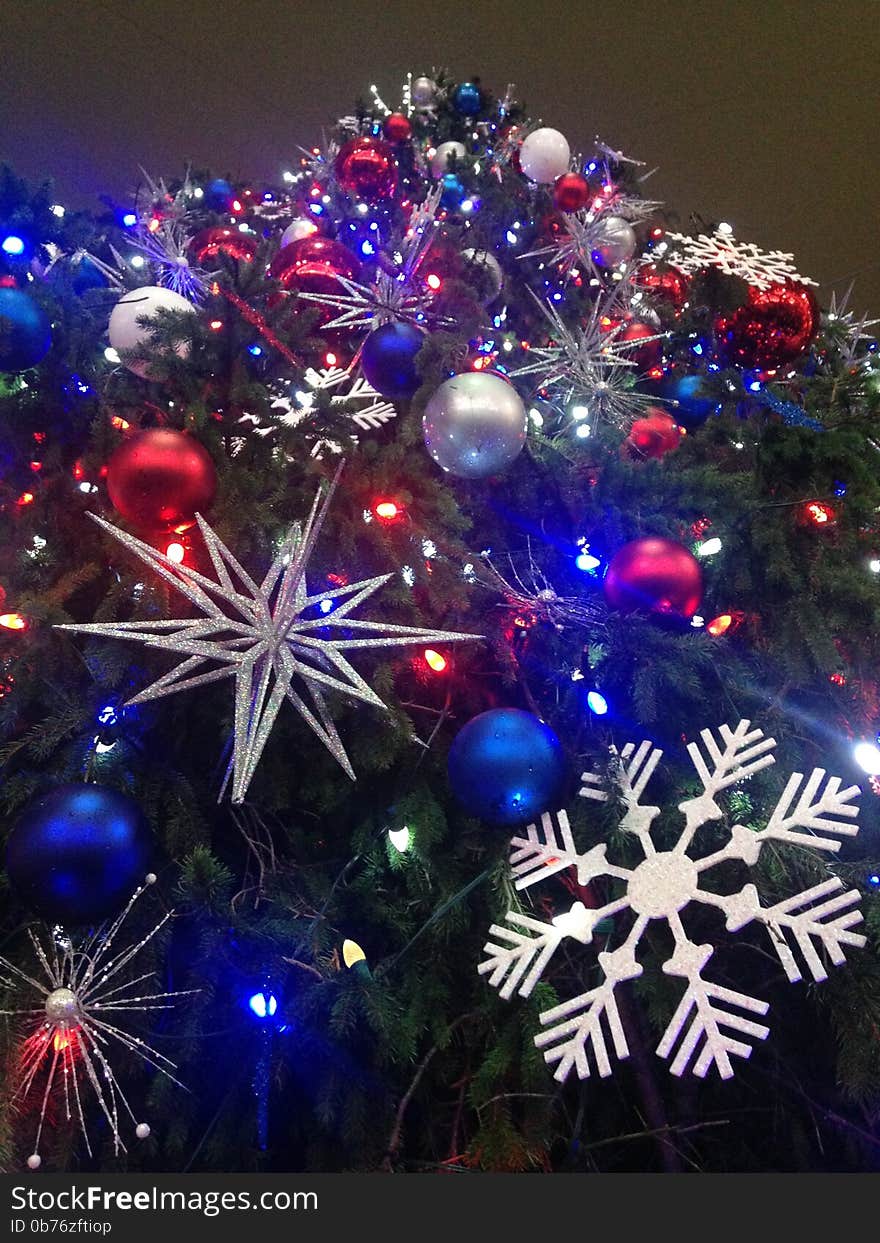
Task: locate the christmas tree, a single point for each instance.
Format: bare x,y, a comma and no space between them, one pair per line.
411,573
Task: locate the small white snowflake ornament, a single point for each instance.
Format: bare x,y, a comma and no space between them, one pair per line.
712,1023
721,250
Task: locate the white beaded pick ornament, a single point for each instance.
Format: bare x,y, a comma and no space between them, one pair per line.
712,1023
83,995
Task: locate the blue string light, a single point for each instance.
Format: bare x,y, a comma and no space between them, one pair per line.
13,245
597,703
874,880
263,1004
587,562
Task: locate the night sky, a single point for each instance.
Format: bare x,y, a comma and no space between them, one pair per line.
760,112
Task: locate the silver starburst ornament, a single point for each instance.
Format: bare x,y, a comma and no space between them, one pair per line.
268,637
84,991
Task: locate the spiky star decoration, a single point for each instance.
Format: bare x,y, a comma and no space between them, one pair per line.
82,989
395,294
266,637
581,233
586,367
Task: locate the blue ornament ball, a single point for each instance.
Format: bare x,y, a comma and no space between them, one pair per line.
692,404
452,193
388,360
76,854
219,194
24,331
467,99
86,276
506,767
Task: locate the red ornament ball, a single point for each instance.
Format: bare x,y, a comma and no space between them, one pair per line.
160,479
571,192
665,284
652,436
313,264
209,243
773,328
647,355
367,167
654,575
397,127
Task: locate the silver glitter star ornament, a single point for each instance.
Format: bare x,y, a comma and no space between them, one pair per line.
267,637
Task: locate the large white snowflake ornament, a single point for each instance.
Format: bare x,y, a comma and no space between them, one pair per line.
721,250
712,1023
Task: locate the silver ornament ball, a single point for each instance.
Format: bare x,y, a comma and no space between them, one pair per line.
34,1161
474,425
423,92
615,242
544,155
441,157
486,271
62,1007
142,1130
297,230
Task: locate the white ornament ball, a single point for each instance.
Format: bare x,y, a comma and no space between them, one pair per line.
475,425
544,155
126,333
298,229
34,1161
486,271
615,242
440,158
142,1130
423,92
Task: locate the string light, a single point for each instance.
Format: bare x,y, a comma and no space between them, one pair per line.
709,547
175,552
263,1004
12,245
720,625
13,621
355,958
435,660
387,510
597,703
819,513
400,839
867,756
586,562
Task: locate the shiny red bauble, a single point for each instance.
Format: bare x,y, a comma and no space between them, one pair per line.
772,329
646,355
313,264
665,284
397,127
367,168
160,479
654,575
652,436
571,192
208,244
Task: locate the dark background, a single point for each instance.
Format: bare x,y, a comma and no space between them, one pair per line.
760,112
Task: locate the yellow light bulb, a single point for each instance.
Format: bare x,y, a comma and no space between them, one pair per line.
352,953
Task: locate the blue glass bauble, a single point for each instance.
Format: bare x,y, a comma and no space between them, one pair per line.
86,276
76,854
24,331
466,98
693,404
506,766
388,360
219,194
453,192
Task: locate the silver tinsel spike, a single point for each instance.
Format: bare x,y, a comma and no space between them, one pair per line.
266,638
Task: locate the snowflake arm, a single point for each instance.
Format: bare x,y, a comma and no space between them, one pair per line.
574,1025
550,848
744,259
712,1007
801,919
744,752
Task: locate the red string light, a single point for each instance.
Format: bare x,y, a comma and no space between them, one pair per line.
435,660
819,513
387,511
175,552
